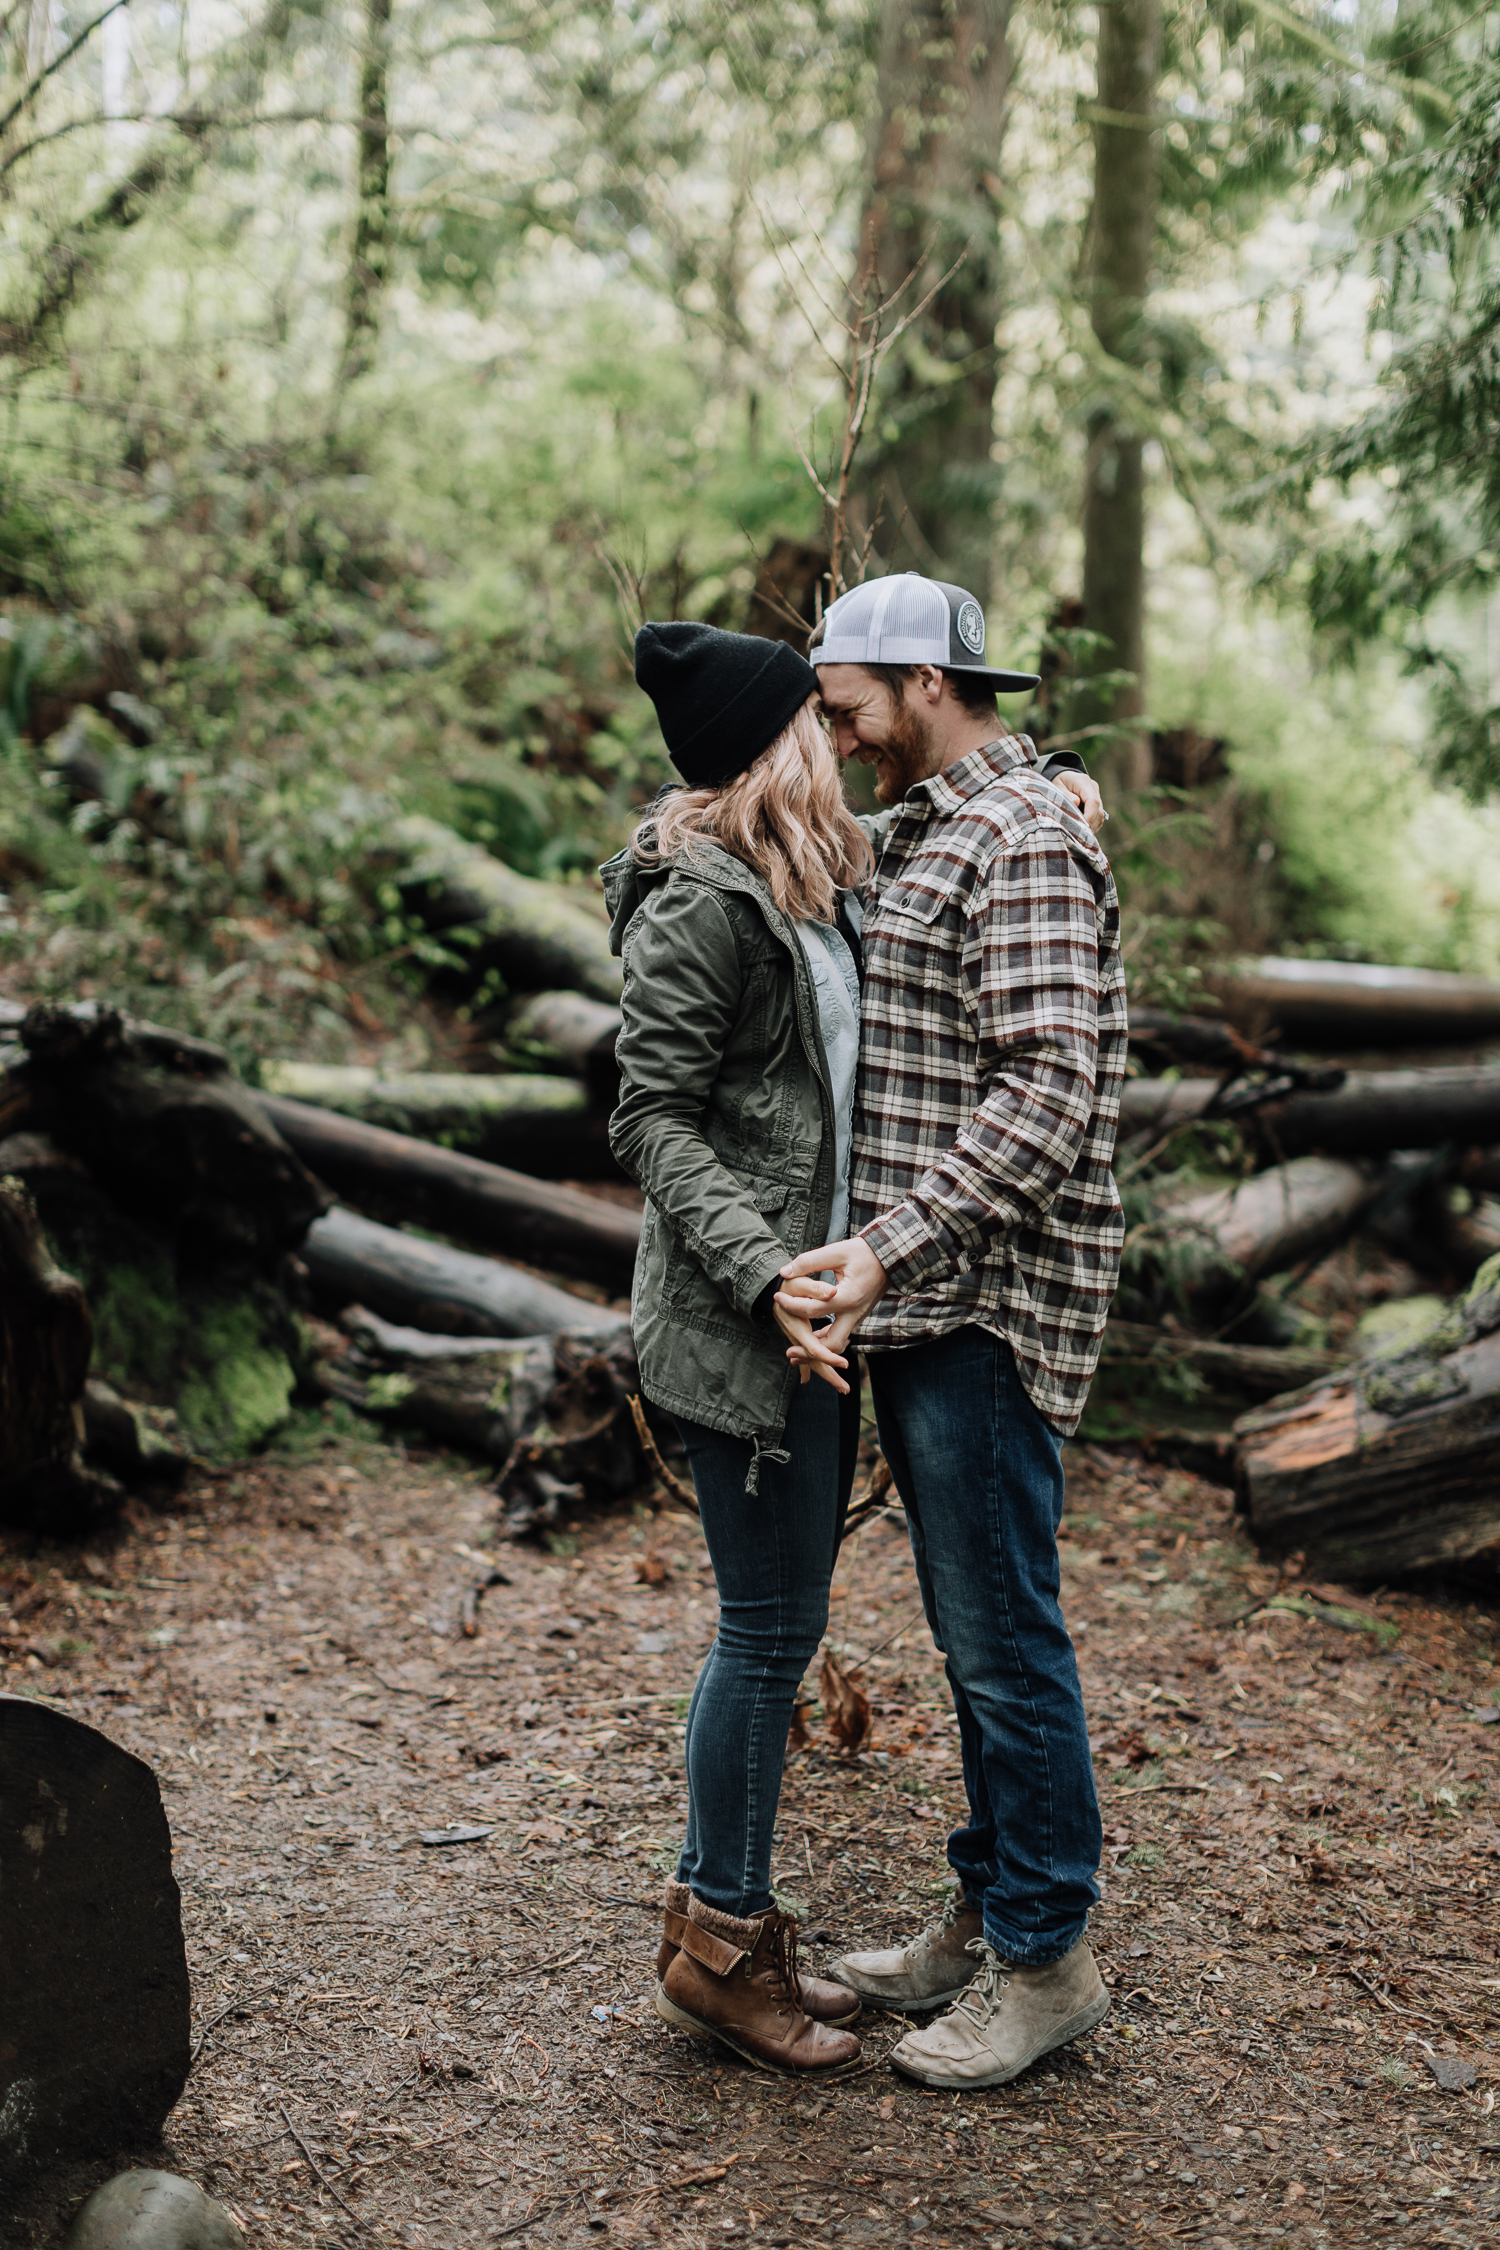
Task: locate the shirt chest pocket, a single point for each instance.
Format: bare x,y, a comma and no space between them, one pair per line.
912,903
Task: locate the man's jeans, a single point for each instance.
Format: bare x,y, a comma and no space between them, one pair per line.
773,1553
981,1475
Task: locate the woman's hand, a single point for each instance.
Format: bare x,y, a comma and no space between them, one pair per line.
860,1284
795,1305
1086,792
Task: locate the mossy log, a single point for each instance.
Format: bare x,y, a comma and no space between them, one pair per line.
1255,1370
541,937
404,1178
1393,1466
166,1128
1356,1003
212,1352
421,1284
46,1338
475,1392
554,1411
94,2001
545,1126
1218,1239
566,1032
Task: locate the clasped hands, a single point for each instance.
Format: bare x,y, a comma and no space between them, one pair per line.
843,1302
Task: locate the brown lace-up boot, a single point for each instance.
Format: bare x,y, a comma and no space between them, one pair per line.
823,2000
736,1981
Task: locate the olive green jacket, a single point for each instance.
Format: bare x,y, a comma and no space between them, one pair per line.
726,1120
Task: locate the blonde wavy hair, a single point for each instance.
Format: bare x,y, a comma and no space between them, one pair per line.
785,818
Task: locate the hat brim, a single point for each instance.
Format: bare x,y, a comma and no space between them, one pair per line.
1003,683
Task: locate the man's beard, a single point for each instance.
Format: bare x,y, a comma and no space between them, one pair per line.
907,754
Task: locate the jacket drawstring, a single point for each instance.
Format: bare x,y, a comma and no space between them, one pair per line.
761,1453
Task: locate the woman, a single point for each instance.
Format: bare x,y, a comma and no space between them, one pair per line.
737,1060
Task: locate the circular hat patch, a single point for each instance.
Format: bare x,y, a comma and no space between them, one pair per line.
971,628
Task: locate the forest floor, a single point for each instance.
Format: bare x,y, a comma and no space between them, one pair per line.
449,2045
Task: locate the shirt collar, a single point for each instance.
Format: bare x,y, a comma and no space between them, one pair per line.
975,771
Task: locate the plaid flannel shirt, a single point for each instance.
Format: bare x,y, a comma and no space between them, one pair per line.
990,1069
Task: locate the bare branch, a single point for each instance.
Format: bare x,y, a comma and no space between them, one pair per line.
29,93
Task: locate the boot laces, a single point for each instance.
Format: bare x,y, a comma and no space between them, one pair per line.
979,2000
783,1963
954,1905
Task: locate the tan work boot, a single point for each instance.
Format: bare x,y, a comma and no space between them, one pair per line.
736,1981
824,2002
928,1973
1008,2018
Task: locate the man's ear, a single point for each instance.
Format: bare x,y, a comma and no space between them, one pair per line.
929,683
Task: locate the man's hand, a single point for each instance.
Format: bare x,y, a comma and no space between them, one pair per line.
795,1306
1086,791
859,1284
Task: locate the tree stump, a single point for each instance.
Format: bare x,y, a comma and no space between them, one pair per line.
46,1336
94,2001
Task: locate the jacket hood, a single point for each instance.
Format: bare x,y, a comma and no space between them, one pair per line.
628,884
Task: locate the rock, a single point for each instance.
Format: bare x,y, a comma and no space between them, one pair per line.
152,2211
1452,2073
94,2000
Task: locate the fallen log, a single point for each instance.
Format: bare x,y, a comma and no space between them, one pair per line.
1371,1112
1355,1003
1256,1370
93,1971
476,1392
545,1126
554,1411
563,1031
423,1284
540,937
462,1195
165,1127
1393,1466
1211,1243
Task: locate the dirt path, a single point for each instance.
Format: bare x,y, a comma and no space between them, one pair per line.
452,2045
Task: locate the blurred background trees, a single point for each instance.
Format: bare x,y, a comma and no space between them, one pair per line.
368,365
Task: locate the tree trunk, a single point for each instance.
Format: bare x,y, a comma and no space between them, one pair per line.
369,256
933,197
449,1292
93,1972
1117,271
408,1179
545,1126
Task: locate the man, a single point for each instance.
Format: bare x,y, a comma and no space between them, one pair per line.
985,1248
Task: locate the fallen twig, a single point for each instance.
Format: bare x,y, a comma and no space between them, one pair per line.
234,2008
314,2167
674,1485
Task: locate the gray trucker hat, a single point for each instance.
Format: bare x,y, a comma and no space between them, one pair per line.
908,619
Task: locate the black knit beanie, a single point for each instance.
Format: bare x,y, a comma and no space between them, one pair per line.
722,698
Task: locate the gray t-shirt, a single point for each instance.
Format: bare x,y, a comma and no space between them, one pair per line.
837,986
